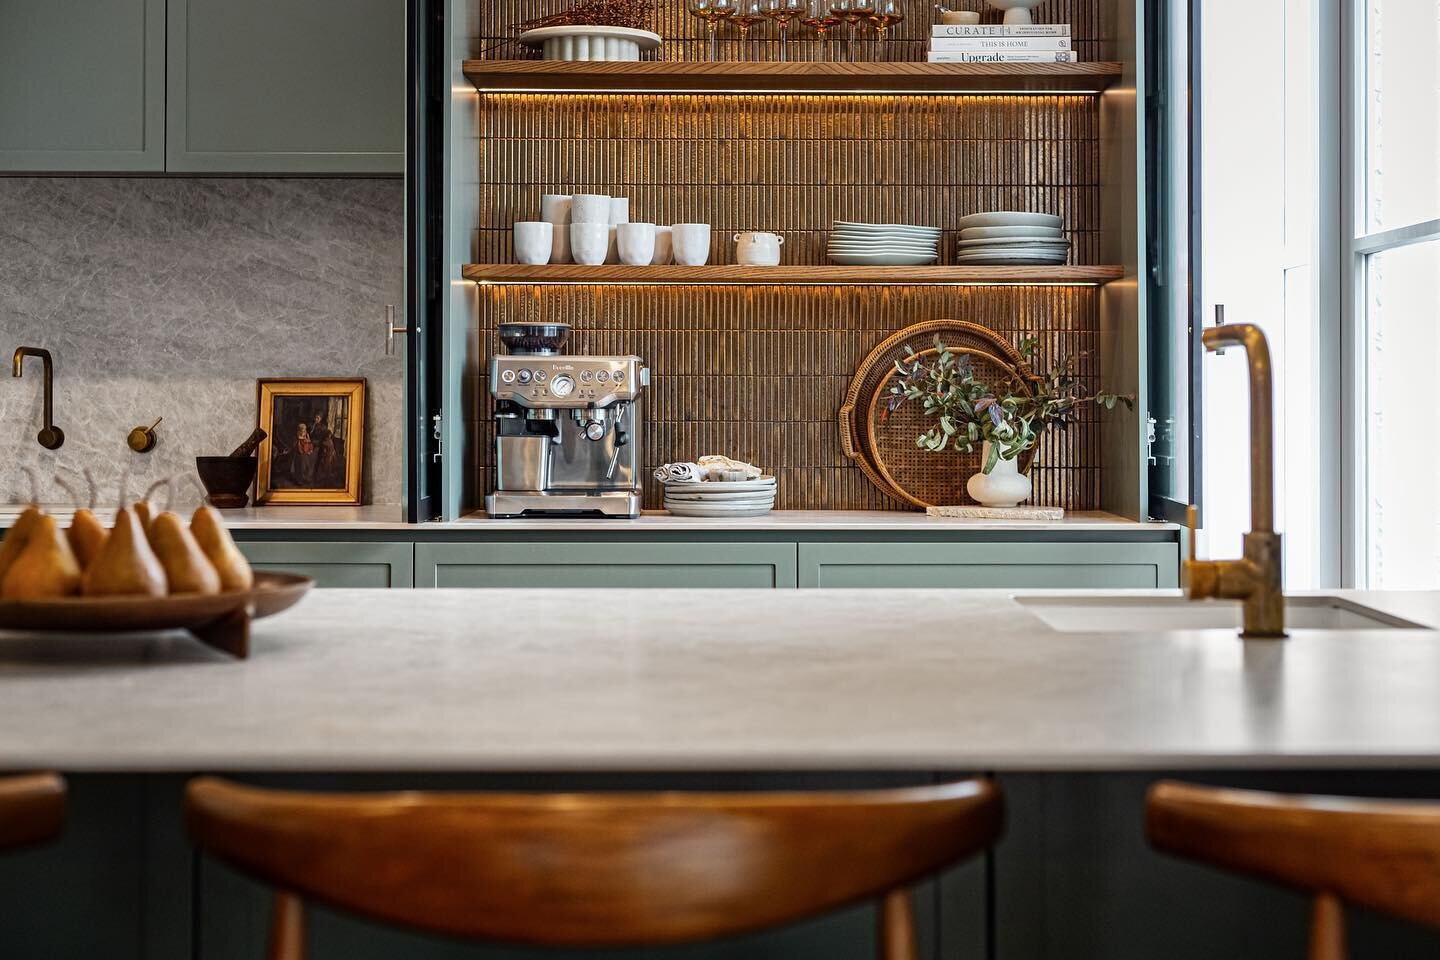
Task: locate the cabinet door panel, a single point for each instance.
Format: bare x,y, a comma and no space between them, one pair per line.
375,565
605,564
82,85
286,86
989,565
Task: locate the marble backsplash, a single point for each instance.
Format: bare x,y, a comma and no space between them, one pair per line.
169,297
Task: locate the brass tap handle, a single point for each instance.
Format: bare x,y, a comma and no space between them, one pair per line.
391,329
1199,579
143,439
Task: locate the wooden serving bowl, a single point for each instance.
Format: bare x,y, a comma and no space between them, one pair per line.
220,620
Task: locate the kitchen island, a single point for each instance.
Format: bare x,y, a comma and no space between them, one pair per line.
724,689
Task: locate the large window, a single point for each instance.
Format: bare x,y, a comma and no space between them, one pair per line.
1395,258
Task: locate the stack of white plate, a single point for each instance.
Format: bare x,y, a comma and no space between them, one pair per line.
1011,238
721,498
883,244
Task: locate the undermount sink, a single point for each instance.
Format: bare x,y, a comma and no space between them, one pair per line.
1152,614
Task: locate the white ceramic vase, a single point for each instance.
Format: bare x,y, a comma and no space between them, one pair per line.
1004,486
1017,12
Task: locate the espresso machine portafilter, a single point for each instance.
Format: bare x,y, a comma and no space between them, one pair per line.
567,428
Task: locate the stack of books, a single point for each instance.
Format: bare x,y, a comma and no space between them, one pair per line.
998,43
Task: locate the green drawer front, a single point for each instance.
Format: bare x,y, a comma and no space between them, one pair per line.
631,564
989,565
376,565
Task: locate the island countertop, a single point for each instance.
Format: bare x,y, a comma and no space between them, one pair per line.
630,680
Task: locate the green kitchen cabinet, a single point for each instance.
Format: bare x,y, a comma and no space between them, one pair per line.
286,86
609,563
375,564
82,86
982,564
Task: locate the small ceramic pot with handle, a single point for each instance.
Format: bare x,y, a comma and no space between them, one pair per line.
758,249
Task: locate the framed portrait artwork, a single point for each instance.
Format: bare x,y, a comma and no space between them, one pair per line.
314,451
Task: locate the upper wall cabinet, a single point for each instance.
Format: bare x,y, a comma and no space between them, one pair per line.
286,86
82,85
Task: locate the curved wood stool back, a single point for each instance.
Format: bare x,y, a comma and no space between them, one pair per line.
1381,854
593,870
32,809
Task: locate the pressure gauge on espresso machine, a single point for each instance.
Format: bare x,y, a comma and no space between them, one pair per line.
562,386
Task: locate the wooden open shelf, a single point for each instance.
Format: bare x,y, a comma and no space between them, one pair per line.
800,77
807,275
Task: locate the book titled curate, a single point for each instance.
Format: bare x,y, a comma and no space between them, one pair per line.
1007,56
1000,30
987,44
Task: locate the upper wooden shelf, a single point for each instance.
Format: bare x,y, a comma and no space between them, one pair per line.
663,76
830,275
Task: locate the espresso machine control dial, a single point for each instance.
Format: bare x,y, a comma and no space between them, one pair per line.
595,430
562,386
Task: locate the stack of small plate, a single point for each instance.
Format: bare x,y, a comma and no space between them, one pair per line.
721,498
883,244
1011,238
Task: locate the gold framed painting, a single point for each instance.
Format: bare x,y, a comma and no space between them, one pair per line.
314,451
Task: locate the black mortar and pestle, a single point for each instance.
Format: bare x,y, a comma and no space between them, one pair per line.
227,479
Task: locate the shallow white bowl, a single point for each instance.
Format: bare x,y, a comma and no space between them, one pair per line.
987,233
883,259
1010,218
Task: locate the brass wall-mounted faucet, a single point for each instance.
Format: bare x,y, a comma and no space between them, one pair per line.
1255,578
50,436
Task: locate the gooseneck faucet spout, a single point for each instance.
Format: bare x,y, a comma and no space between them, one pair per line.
50,436
1256,577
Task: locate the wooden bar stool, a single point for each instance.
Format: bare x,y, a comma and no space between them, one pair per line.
32,809
593,870
1381,854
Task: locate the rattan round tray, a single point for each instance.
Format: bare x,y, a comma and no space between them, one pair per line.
882,443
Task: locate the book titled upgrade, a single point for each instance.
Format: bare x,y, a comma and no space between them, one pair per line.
1008,56
992,44
1000,30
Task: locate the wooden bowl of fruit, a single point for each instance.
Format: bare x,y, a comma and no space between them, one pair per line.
143,574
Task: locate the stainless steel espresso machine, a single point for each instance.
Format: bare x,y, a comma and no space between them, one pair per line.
567,428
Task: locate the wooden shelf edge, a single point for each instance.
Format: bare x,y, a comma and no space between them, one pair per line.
658,76
798,275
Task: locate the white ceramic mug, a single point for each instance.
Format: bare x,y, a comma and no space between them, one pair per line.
758,249
555,208
590,208
589,242
637,243
619,210
691,243
662,247
534,241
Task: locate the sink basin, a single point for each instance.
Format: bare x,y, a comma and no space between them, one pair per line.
1146,614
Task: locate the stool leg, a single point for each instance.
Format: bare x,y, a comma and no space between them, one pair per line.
1327,929
897,926
287,928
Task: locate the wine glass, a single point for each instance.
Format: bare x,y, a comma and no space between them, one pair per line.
842,11
782,12
887,13
860,10
712,12
747,14
820,19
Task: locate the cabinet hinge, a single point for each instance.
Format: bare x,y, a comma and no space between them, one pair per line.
438,436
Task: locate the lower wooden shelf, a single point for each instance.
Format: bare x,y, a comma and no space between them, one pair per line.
829,275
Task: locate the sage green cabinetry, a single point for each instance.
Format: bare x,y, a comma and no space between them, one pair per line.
373,564
981,564
82,85
607,563
286,86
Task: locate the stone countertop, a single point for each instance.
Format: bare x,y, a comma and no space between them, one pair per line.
391,518
617,680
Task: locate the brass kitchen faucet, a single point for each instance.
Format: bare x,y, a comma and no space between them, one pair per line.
50,436
1255,577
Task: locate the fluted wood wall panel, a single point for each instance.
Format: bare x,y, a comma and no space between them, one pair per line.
685,35
760,372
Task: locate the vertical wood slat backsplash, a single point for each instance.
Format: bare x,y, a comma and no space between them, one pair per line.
760,372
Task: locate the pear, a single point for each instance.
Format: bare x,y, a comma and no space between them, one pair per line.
45,568
87,537
214,539
126,565
187,568
14,541
142,514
